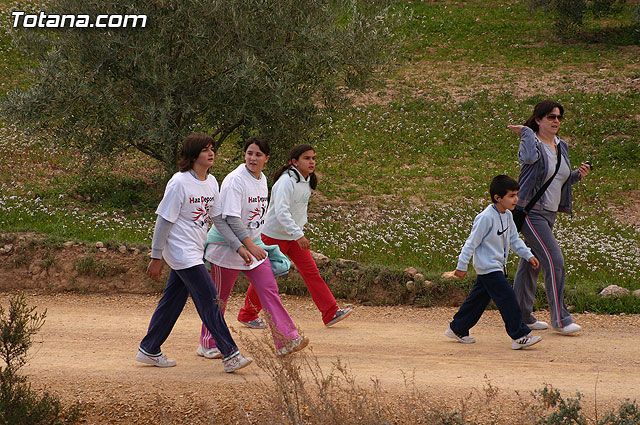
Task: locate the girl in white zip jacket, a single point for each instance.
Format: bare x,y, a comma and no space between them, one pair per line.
284,226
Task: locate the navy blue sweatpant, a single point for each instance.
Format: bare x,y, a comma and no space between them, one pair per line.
490,286
197,282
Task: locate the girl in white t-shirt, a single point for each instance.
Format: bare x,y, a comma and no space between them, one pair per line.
284,226
190,203
244,197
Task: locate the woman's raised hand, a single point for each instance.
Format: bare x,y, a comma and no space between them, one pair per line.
516,128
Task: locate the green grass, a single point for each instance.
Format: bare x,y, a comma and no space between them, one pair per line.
402,177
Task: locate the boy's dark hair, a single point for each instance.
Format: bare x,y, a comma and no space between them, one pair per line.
295,154
191,148
263,144
500,185
541,110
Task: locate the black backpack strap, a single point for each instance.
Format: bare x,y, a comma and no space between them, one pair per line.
546,184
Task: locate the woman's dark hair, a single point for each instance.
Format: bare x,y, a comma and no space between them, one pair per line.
263,144
541,110
191,148
500,185
295,154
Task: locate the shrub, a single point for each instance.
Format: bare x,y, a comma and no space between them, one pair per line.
19,403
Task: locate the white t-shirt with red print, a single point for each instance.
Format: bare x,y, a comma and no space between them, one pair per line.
190,204
244,196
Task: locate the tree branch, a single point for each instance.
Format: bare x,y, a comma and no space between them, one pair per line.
225,133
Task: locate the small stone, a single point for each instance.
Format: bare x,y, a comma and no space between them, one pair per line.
319,258
135,251
636,293
419,278
614,291
68,244
411,285
8,247
102,249
448,275
427,283
347,263
410,271
122,249
99,245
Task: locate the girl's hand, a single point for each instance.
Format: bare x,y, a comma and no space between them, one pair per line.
534,262
154,269
304,243
459,273
516,129
256,251
584,170
248,259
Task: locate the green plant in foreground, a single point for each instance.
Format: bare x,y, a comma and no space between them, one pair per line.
19,403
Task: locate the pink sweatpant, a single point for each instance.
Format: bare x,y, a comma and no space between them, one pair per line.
262,279
320,292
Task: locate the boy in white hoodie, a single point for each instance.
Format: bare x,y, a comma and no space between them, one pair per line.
492,235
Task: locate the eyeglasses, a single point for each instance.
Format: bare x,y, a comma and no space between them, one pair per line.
552,117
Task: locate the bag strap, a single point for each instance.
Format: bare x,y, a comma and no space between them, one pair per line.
544,187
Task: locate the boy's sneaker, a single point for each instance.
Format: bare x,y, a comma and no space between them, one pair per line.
463,339
538,325
294,345
160,360
340,314
525,341
236,362
254,324
209,353
569,329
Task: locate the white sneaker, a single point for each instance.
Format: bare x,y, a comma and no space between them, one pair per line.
538,325
160,361
294,345
525,341
462,339
569,329
209,353
236,362
254,324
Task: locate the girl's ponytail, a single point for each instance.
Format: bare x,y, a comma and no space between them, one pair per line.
295,154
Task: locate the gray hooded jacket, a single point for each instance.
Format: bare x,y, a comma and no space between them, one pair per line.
534,169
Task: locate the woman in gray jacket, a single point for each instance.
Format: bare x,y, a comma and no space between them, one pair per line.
538,155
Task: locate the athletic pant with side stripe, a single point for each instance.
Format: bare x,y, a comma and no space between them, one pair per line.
538,235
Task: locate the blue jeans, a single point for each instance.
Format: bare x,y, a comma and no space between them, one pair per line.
197,282
490,286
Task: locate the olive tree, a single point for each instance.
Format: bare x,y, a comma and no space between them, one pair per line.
220,67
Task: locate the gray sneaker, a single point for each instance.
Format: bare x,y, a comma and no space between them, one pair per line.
159,361
254,324
294,345
340,314
236,362
525,341
208,353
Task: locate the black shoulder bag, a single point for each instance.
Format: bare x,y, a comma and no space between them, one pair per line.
520,215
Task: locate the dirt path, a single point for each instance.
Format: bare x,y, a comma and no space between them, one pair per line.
86,352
